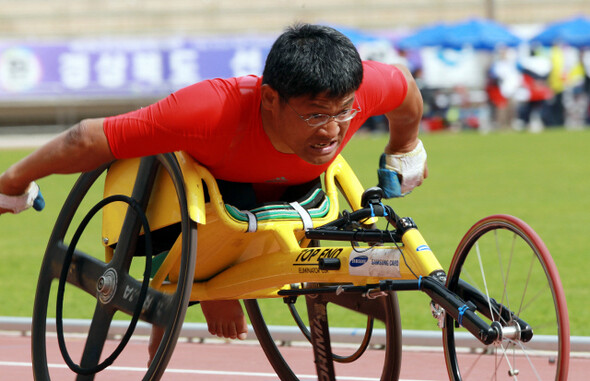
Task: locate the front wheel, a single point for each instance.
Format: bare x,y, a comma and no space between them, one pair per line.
504,268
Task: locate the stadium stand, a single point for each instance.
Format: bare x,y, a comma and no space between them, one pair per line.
43,20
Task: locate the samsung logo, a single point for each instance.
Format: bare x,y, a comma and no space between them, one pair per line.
359,261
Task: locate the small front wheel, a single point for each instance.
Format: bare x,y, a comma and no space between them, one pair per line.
504,268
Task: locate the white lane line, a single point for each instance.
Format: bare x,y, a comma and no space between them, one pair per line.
194,371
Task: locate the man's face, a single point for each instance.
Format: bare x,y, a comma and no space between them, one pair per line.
314,144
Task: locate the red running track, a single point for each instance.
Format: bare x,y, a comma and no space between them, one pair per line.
219,361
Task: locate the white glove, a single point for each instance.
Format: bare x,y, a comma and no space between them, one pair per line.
408,166
16,204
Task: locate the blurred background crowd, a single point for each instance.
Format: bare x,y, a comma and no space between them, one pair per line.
521,80
481,64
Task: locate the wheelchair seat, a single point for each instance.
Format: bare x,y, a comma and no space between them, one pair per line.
221,242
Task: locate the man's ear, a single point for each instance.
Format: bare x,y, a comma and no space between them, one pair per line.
270,97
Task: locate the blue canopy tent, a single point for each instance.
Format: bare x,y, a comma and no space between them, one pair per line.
428,36
371,46
356,36
481,34
574,32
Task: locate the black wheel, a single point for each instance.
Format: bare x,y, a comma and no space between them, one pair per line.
505,270
357,307
115,285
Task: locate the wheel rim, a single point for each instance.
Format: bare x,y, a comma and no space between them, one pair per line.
391,355
504,258
164,310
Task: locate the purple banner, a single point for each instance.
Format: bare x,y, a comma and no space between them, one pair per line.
101,68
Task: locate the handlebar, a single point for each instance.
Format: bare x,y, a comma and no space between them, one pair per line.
349,227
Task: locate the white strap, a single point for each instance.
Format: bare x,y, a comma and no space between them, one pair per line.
252,222
305,217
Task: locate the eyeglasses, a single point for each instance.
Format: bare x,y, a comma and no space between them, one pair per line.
317,120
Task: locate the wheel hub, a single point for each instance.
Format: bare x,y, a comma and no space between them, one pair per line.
107,285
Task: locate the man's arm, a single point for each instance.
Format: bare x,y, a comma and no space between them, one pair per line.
402,166
81,148
404,121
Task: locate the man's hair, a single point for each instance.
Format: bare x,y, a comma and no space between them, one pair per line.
309,60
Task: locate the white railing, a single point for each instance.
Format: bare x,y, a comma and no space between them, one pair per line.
288,334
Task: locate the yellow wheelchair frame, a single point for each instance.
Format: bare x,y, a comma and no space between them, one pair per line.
278,258
240,265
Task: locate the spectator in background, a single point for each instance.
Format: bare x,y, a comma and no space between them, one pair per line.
576,93
533,92
557,80
585,57
504,79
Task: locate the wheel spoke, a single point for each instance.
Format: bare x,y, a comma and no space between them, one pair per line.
485,283
157,305
132,225
505,276
467,371
85,271
125,249
469,278
538,294
97,335
525,352
320,338
504,356
55,257
526,284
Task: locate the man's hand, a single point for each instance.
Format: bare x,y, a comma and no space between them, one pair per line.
18,203
399,174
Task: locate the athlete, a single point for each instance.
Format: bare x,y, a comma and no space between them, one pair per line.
274,131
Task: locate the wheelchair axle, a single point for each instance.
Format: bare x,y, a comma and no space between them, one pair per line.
107,286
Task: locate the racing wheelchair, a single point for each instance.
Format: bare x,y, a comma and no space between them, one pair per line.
169,238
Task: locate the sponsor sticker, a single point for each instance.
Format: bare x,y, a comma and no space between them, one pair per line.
380,262
307,259
423,248
358,261
312,256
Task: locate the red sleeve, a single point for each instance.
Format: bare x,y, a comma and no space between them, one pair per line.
185,118
383,89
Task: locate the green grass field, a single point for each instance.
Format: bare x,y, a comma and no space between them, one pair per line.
541,178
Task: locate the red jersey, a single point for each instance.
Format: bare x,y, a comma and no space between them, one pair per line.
218,122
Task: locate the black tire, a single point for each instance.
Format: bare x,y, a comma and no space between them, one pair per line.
502,265
383,308
130,296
